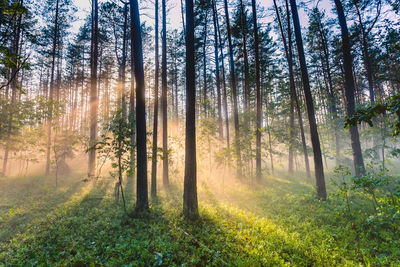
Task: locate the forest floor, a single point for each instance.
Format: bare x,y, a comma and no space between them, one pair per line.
277,223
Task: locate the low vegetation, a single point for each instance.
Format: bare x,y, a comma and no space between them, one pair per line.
277,223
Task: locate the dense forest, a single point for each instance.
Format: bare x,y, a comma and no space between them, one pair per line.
199,133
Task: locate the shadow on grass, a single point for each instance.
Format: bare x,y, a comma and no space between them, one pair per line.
94,229
26,199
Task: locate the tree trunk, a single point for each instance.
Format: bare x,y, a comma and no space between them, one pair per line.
217,75
319,168
123,63
293,92
331,93
349,90
205,98
258,92
155,121
93,89
142,202
51,92
366,56
164,95
224,93
234,93
190,205
245,59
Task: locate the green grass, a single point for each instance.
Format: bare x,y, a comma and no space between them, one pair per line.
278,223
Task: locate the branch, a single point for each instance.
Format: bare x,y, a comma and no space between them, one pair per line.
15,73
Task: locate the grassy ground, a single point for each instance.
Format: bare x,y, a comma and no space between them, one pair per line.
278,223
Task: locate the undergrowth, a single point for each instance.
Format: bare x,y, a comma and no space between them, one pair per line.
278,223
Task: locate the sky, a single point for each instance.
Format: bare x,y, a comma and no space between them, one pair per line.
174,14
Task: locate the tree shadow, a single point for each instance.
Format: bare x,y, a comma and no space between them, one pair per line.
26,199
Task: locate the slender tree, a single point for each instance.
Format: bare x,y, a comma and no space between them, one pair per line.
142,202
155,122
51,91
258,91
14,85
318,165
349,89
190,205
293,91
243,28
224,92
164,94
234,92
93,104
123,61
217,74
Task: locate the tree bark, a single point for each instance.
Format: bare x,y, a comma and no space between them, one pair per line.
349,90
205,98
142,202
245,59
319,168
190,205
234,92
258,91
164,95
217,74
293,91
51,91
155,121
224,93
93,89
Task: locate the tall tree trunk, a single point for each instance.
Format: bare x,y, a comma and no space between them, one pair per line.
291,133
142,202
224,93
349,88
319,168
269,135
331,92
14,87
93,89
51,93
155,121
123,63
183,19
245,58
366,56
293,92
190,205
205,99
234,92
258,91
164,95
217,74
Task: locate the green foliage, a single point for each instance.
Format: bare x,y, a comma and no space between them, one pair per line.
115,144
378,188
391,106
279,223
9,58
